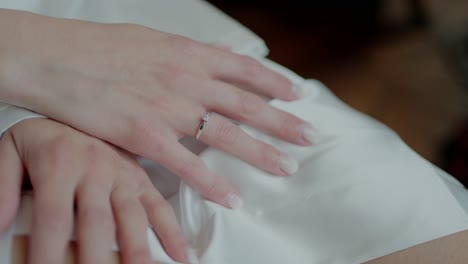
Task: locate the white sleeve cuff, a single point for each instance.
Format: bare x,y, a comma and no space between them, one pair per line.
11,115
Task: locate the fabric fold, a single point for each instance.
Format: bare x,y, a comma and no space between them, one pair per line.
360,193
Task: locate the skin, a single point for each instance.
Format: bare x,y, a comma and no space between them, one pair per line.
111,192
142,90
139,90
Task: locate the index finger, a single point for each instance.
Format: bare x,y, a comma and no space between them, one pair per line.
194,172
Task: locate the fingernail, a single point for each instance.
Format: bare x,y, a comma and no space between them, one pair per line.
234,201
192,256
288,164
309,133
299,91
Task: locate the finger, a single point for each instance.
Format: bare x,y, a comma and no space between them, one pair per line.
224,47
226,136
162,217
249,108
194,172
11,175
253,76
95,227
52,221
132,226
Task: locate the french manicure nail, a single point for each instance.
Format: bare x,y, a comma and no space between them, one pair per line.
192,256
234,201
309,133
288,164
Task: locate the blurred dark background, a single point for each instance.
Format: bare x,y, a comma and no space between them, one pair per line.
404,62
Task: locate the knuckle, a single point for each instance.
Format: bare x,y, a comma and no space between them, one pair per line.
183,44
158,203
59,148
58,218
251,67
127,206
95,216
139,255
94,153
191,168
266,155
288,126
173,75
143,138
153,100
249,103
58,155
227,133
141,179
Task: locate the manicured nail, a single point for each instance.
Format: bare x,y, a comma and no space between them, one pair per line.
288,164
192,256
299,91
309,133
234,201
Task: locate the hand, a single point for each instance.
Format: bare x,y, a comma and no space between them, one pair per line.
143,90
110,190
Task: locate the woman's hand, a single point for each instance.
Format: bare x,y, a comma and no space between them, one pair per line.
110,190
143,89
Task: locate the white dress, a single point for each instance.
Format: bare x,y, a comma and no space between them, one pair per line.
360,192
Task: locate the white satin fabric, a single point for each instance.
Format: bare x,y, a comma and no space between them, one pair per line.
11,115
360,193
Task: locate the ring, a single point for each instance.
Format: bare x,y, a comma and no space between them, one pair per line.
202,125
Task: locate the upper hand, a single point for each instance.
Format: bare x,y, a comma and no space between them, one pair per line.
142,90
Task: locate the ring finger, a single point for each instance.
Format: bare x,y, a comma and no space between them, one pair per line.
226,136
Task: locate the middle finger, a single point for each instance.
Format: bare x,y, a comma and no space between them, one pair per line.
96,227
251,109
132,225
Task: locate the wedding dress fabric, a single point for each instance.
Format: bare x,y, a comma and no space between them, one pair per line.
360,193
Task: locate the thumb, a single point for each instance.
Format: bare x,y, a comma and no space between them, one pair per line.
11,175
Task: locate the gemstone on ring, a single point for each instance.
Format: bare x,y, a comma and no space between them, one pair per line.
206,117
203,122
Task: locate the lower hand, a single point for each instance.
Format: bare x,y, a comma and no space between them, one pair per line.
111,192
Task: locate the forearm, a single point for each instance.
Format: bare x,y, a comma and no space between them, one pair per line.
16,46
39,54
31,47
